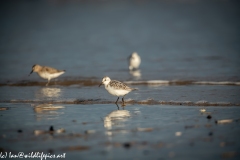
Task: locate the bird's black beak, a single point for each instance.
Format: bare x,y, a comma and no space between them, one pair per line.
100,84
30,73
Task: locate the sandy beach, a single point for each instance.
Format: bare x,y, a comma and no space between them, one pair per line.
102,131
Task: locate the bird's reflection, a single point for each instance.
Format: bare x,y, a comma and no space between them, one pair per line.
136,73
115,118
48,93
51,92
47,111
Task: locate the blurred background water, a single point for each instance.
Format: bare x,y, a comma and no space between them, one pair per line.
186,40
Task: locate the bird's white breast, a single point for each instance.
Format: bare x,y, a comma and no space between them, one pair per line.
116,92
46,75
134,62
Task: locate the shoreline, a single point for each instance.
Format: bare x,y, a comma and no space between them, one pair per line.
130,102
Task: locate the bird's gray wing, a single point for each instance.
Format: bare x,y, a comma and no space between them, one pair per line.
119,85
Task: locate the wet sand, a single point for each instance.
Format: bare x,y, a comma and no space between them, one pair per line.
158,121
104,131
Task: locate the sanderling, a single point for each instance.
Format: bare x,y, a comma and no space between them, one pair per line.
46,72
116,88
134,61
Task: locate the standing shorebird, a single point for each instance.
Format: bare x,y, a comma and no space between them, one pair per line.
116,88
134,61
46,72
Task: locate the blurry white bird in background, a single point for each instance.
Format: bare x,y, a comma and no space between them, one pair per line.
134,61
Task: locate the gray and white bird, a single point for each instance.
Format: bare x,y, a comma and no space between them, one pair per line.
116,88
134,61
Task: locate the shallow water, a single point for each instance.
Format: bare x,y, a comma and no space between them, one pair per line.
175,94
136,131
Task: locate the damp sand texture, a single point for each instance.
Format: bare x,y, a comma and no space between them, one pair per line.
104,131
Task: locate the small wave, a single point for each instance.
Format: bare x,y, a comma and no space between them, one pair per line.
83,82
94,82
130,101
150,82
217,83
180,82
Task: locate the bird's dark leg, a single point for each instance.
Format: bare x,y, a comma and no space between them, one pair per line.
116,101
117,106
123,103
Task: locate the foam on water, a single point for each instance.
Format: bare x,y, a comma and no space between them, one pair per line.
217,83
180,82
